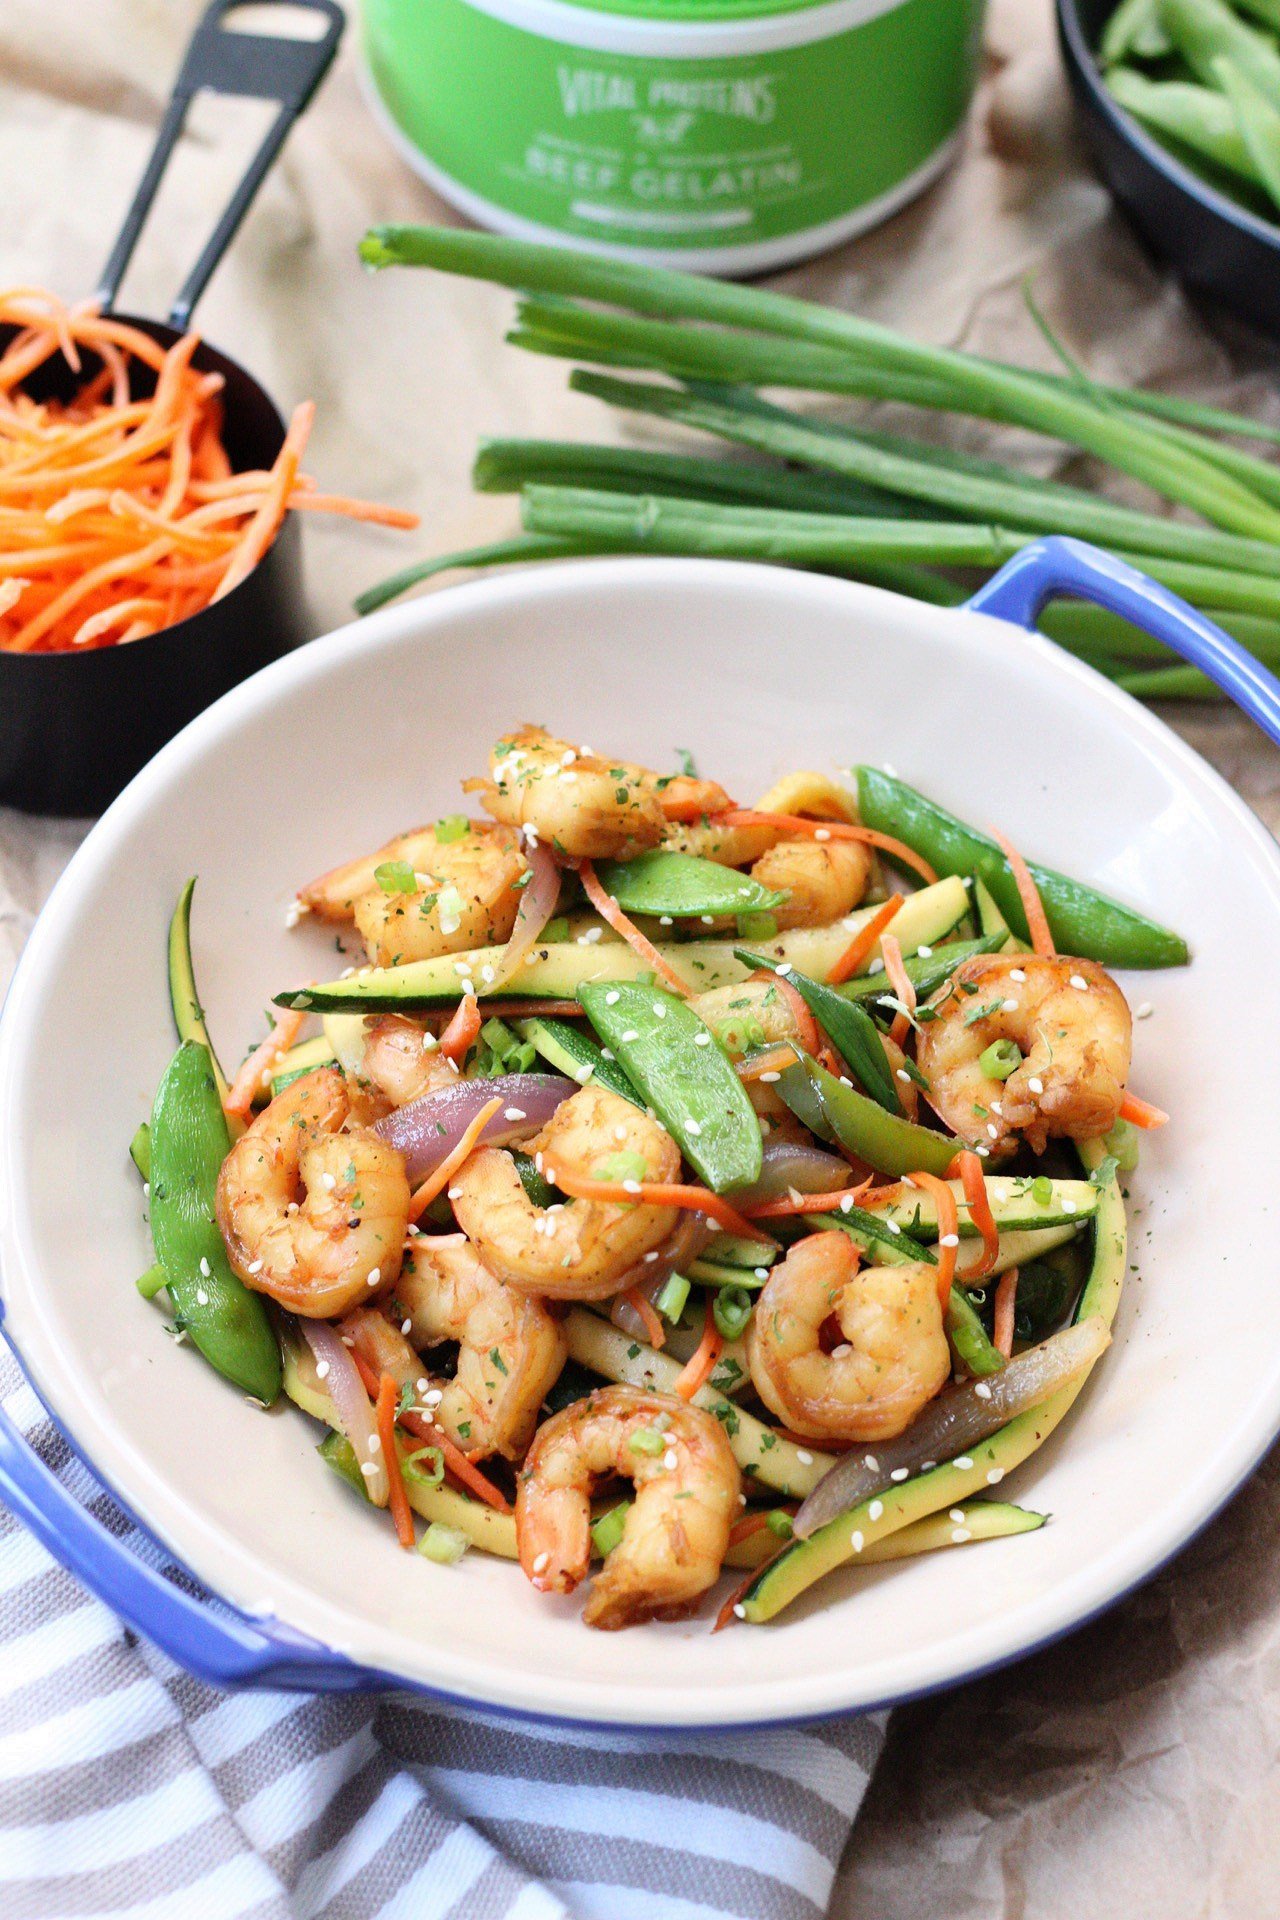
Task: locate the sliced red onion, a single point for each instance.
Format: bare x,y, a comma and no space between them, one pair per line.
652,1274
427,1130
786,1165
538,902
340,1377
957,1420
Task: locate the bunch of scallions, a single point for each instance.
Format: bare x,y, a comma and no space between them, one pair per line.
844,499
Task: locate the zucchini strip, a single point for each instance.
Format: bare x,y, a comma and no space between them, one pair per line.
980,1520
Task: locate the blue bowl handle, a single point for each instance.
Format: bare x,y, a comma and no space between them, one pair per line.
217,1645
1049,569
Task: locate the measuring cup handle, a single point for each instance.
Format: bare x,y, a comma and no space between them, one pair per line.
221,59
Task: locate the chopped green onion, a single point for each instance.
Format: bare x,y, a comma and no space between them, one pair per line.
674,1298
443,1544
779,1523
1000,1059
731,1309
619,1167
648,1440
453,827
152,1282
1042,1190
396,876
607,1531
757,926
425,1466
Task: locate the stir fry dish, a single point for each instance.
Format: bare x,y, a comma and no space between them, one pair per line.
675,1185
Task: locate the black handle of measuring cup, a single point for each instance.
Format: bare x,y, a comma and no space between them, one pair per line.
221,59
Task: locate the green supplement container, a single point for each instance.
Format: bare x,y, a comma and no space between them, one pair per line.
725,136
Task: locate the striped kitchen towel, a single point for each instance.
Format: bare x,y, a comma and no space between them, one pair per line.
130,1790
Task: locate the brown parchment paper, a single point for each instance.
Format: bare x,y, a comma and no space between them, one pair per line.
1134,1770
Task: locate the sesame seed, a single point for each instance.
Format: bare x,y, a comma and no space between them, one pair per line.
739,1611
960,1534
294,912
612,998
515,1113
1035,1084
454,1193
1079,982
486,974
328,1181
631,1186
629,1035
691,1126
902,1074
997,1108
875,1510
202,1298
204,1266
993,1131
856,1542
900,1473
375,1443
870,1462
805,1459
761,1273
255,1266
949,1240
659,1011
823,833
406,1326
322,1370
368,1468
707,919
877,965
982,1390
786,968
841,1352
982,1151
963,1462
375,1274
846,1205
421,1386
1016,973
1010,1006
767,1079
994,1476
433,1396
665,920
1069,1206
607,1053
893,1226
957,1515
670,1459
702,1039
925,953
542,1561
1144,1011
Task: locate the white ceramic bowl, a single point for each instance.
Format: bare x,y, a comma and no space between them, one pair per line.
757,670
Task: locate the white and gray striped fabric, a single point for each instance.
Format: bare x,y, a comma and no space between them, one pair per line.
130,1790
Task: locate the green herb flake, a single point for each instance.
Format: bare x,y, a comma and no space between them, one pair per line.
396,876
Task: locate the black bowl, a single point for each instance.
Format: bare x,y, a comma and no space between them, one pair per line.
75,728
1217,248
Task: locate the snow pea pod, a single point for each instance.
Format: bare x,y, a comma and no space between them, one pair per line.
849,1027
189,1142
683,886
853,1121
1082,921
686,1076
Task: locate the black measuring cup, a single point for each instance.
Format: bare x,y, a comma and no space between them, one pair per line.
76,727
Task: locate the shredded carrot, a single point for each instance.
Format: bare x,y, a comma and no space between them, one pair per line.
1029,894
903,986
967,1168
256,1072
656,1194
948,1229
637,1299
436,1182
1006,1300
132,478
761,1063
457,1463
796,823
1140,1113
385,1409
796,1203
859,948
745,1529
608,909
702,1362
462,1031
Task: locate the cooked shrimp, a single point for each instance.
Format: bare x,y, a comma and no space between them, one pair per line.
588,808
728,846
892,1357
677,1530
466,894
310,1214
822,879
403,1061
510,1348
333,895
1072,1024
580,1250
